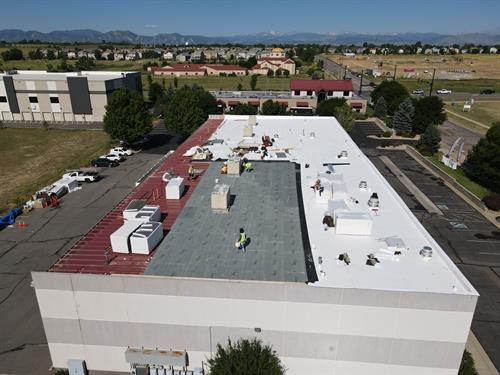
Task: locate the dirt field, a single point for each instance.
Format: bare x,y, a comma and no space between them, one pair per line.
32,158
453,67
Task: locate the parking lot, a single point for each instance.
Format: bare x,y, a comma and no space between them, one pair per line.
468,238
48,235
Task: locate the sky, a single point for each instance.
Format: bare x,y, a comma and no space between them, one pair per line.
233,17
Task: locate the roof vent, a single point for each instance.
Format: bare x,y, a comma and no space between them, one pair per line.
342,155
363,185
345,258
373,201
426,252
312,135
372,260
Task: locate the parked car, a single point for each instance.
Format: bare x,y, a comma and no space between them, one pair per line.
81,176
418,92
487,91
114,157
121,151
443,91
103,162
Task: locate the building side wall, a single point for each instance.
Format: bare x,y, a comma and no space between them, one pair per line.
328,329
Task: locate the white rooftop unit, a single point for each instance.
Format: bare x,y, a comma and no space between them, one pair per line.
133,208
120,238
145,214
174,188
353,223
145,238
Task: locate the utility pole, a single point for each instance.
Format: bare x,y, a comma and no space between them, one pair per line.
395,69
361,83
345,71
432,82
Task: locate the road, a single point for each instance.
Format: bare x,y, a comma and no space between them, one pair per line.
469,239
451,131
49,234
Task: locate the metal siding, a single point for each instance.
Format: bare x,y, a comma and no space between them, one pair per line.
79,95
11,94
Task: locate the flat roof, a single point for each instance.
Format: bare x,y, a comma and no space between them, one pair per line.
317,144
265,203
55,76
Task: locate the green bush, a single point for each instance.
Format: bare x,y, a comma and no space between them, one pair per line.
492,202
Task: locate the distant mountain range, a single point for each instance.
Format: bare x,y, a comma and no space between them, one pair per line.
93,36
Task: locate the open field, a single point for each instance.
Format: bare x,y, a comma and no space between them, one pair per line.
473,86
484,112
230,83
33,158
453,67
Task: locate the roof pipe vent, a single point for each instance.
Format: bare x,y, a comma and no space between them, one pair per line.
373,201
363,185
426,252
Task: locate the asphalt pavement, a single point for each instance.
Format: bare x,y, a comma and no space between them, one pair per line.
49,234
467,237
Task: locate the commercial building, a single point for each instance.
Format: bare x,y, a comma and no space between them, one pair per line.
303,97
60,97
338,275
182,70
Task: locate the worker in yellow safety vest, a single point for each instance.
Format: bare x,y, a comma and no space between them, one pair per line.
242,240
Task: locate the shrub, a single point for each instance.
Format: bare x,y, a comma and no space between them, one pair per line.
492,202
387,134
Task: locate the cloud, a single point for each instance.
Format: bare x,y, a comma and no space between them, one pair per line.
152,26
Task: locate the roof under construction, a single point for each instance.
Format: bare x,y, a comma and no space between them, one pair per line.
265,202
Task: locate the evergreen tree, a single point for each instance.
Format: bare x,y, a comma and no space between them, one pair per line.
243,109
428,111
328,107
403,118
126,116
273,108
245,357
393,92
429,142
380,109
253,82
483,162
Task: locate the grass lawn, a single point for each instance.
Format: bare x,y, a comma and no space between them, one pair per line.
33,158
459,175
485,112
230,83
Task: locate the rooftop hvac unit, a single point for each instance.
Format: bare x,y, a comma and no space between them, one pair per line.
133,208
426,252
145,214
77,367
174,188
120,238
146,237
220,197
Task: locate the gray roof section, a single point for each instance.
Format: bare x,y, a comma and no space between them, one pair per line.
265,203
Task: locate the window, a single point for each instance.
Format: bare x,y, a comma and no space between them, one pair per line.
330,93
54,99
33,99
346,93
3,99
297,92
309,93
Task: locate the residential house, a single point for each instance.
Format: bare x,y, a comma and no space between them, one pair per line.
273,63
168,55
71,55
183,57
493,50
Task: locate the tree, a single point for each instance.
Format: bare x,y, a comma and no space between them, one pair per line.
84,63
246,356
12,54
380,109
428,111
35,55
239,87
176,81
328,107
467,366
243,109
126,116
483,162
393,92
403,118
51,55
155,92
270,73
253,82
429,142
271,108
345,117
187,109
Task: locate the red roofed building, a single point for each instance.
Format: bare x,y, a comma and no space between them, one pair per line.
182,70
321,89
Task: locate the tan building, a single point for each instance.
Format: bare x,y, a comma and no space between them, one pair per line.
60,97
182,70
265,64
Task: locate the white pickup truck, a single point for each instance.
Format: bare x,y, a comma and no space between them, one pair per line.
82,176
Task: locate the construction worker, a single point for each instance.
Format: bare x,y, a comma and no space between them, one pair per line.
242,240
191,172
247,166
223,169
